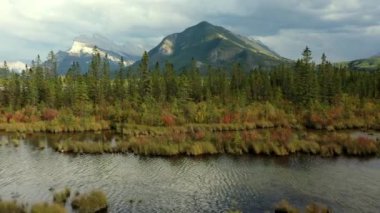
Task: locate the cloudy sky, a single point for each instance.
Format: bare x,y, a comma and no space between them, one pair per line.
344,29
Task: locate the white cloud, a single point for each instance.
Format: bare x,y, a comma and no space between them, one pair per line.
41,25
344,44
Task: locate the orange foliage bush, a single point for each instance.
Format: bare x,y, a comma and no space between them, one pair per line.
250,136
168,119
228,118
178,137
49,114
335,112
282,135
198,135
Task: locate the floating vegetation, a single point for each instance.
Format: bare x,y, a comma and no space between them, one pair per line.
12,207
285,207
93,201
15,142
47,208
61,197
41,145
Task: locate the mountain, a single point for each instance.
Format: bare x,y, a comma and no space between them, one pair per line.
213,45
370,63
82,50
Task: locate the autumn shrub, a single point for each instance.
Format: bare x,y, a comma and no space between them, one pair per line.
361,146
228,118
168,119
250,136
49,114
281,135
198,135
177,137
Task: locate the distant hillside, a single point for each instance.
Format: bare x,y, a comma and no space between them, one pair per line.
371,63
213,45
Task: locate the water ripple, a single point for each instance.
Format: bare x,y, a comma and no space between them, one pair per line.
207,184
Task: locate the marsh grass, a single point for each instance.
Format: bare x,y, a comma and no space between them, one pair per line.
93,201
317,208
47,208
285,207
16,142
56,126
205,140
61,197
41,145
11,207
82,147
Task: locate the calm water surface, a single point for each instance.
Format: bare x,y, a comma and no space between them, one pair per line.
184,184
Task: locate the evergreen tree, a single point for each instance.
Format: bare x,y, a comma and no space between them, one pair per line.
93,78
105,81
306,83
144,76
170,82
157,83
119,86
195,79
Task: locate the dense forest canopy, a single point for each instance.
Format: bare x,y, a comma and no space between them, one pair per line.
144,95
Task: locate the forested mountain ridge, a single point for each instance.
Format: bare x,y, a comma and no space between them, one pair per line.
213,45
371,63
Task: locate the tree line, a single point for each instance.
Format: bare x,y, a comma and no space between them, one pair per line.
303,83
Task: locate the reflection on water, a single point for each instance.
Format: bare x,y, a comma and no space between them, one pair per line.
182,184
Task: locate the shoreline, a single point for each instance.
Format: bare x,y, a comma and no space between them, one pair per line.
127,129
174,141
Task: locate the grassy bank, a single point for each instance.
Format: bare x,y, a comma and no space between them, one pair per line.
196,141
56,126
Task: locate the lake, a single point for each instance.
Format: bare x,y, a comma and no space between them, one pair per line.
187,184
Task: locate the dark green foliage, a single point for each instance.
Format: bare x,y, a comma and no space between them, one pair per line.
145,77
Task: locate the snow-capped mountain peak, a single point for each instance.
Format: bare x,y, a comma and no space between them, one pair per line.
83,47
